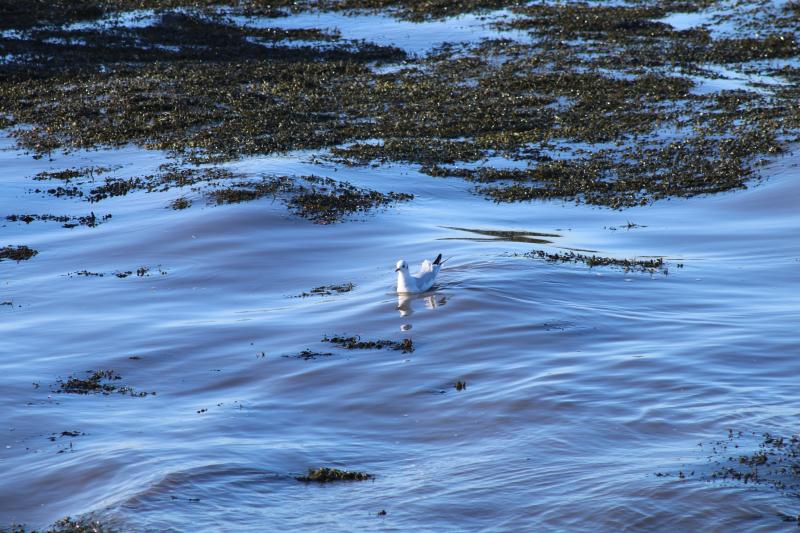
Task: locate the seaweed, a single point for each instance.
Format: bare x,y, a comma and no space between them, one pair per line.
65,525
98,382
91,220
327,290
310,354
650,265
327,475
355,343
321,200
600,107
17,253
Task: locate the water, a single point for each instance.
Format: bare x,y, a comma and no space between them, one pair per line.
582,383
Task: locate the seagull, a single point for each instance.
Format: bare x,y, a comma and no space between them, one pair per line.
422,280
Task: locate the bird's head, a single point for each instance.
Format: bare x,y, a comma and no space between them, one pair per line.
401,266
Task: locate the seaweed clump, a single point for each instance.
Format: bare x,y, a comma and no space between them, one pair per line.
321,200
651,265
17,253
65,525
328,475
91,220
328,290
355,343
98,382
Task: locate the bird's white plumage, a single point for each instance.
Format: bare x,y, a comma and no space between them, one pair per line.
422,280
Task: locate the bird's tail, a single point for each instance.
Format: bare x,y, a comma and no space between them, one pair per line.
438,260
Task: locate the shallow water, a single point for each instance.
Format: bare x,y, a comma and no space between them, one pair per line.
582,383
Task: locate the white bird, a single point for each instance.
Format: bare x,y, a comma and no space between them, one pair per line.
422,280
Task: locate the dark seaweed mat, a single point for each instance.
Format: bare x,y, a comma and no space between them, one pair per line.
608,78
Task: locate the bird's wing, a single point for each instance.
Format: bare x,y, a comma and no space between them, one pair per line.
425,279
426,266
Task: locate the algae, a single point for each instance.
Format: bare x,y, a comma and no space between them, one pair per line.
65,525
355,343
328,290
97,382
650,265
17,253
91,220
602,106
328,475
321,200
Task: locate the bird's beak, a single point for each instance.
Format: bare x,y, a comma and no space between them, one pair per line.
397,270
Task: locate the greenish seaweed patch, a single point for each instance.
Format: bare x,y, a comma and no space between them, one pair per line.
328,475
17,253
651,265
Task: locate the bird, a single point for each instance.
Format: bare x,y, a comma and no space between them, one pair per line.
422,280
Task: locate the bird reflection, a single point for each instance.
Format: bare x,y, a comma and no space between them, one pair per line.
407,302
